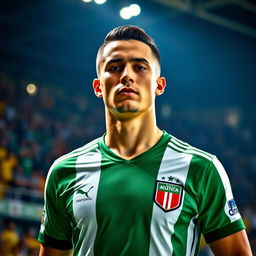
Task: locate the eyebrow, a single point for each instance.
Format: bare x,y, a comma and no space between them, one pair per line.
130,60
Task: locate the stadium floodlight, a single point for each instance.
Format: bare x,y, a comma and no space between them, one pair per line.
125,13
87,1
100,1
135,9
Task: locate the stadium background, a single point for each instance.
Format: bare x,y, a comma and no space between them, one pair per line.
208,51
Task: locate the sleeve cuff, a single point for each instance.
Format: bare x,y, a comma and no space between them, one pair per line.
54,243
224,231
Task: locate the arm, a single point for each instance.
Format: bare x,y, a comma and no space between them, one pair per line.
47,251
236,244
55,231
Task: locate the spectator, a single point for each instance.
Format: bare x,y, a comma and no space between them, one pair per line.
30,243
8,162
9,239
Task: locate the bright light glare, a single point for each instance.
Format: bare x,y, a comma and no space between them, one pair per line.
134,9
87,1
100,1
125,13
31,89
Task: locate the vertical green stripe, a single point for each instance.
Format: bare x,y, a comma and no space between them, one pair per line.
189,209
59,183
67,177
77,242
213,200
125,201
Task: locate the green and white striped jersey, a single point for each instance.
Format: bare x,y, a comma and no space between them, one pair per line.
158,203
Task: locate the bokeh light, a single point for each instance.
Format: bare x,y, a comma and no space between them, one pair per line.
100,1
31,89
125,13
135,9
128,12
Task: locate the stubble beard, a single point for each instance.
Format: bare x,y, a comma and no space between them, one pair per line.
126,107
123,110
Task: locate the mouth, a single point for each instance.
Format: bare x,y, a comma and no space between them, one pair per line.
126,90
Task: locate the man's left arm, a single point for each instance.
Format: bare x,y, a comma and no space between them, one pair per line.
221,222
236,244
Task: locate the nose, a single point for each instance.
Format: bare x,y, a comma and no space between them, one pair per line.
127,76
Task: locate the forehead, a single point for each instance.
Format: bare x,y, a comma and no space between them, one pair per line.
126,48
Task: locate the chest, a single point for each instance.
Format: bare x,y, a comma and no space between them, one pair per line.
116,191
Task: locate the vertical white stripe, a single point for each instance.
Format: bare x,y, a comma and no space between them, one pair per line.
173,164
84,207
192,237
195,241
165,199
227,187
169,201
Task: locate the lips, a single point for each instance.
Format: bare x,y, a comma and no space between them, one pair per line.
125,90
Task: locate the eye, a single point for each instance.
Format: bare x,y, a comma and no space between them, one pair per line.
113,68
141,67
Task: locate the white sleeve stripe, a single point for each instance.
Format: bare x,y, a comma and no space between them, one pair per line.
227,187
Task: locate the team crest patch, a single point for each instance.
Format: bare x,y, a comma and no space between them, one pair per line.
168,195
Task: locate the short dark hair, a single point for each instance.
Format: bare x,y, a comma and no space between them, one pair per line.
129,32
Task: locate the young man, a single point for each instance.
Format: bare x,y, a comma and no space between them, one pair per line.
137,190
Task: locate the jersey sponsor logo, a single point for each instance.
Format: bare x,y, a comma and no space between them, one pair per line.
232,207
86,193
168,195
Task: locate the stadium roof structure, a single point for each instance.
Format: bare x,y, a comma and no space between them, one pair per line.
239,15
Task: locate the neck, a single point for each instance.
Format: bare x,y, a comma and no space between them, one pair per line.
131,137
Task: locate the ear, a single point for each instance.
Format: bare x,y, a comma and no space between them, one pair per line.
97,87
161,84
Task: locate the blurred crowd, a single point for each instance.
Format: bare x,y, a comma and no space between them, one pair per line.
15,243
37,128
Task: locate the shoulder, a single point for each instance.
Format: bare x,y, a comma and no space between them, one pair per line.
204,168
67,163
201,162
187,149
77,152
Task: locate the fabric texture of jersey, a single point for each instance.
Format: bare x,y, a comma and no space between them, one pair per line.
158,203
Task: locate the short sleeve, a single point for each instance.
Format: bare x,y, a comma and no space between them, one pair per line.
55,230
218,213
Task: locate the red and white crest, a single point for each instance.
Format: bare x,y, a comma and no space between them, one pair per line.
168,195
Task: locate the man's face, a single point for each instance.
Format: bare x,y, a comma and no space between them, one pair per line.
128,77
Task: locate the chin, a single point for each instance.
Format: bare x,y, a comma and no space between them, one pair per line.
127,110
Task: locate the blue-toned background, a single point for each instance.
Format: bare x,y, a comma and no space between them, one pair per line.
208,51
